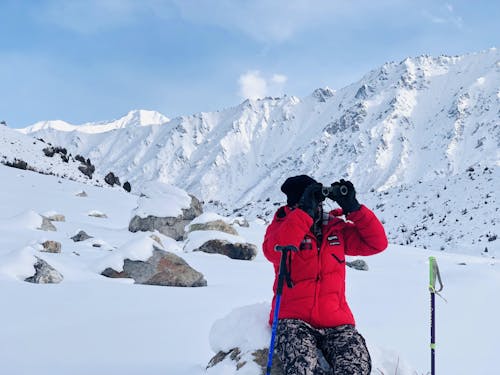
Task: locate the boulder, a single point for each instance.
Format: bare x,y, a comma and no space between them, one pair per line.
44,274
111,179
218,225
358,264
127,187
81,236
243,251
169,226
47,225
82,194
51,247
162,268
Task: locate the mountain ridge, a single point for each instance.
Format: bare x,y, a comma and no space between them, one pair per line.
402,125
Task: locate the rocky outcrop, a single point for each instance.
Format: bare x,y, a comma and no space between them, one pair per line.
169,226
112,180
259,356
17,163
162,268
86,167
243,251
44,274
218,225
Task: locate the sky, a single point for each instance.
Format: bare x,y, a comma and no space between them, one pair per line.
94,60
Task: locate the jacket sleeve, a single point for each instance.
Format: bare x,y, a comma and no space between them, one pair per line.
289,229
365,235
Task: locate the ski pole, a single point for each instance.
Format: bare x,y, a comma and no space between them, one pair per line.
433,275
282,275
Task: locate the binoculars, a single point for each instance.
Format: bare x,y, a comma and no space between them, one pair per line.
334,191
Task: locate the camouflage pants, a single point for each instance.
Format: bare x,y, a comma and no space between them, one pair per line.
305,350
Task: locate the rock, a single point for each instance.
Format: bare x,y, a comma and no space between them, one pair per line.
112,180
82,194
17,163
47,225
219,225
51,247
243,251
259,356
57,217
81,236
162,268
98,214
358,264
242,222
44,274
87,170
127,187
169,226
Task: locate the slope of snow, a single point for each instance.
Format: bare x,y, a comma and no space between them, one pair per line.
16,147
89,324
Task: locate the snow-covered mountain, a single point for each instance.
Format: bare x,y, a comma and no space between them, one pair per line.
132,119
417,126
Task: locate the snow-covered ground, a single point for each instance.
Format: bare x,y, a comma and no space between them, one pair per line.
92,325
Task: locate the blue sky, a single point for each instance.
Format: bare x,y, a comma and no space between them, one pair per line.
94,60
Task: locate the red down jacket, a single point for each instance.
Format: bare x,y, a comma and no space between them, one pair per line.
318,273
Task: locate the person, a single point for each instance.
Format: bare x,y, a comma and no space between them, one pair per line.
316,332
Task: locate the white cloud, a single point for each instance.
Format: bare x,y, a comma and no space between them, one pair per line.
279,79
444,15
254,86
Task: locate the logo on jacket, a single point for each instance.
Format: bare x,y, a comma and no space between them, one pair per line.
306,244
333,240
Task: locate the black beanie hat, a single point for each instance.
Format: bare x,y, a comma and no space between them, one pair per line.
294,187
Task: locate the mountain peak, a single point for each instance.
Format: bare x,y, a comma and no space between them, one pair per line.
134,118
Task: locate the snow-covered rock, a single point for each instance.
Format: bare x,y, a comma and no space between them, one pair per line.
162,268
164,208
44,274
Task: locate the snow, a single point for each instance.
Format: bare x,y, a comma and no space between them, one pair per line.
420,144
91,324
161,200
242,328
133,118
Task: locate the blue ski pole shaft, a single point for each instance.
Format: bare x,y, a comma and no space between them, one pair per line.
273,335
283,273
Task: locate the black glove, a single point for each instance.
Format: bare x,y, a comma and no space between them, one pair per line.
347,201
311,198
